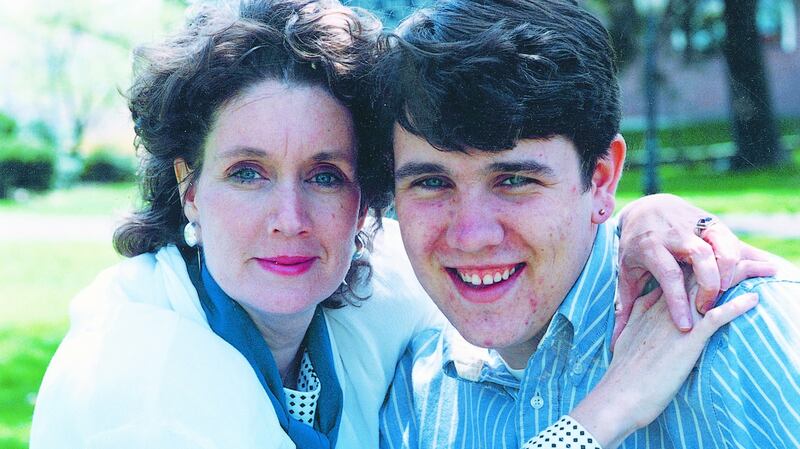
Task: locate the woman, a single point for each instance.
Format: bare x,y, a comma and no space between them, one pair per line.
239,319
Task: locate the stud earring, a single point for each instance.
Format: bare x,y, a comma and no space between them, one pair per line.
190,234
602,212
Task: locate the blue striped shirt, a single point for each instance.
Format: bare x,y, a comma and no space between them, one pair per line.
744,391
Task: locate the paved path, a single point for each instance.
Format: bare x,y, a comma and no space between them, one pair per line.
21,226
782,226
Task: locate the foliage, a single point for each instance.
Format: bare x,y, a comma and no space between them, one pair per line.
25,165
106,166
43,133
8,126
68,61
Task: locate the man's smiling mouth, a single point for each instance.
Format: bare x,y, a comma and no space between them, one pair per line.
485,277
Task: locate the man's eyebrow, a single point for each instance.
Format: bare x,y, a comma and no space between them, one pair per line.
410,169
529,166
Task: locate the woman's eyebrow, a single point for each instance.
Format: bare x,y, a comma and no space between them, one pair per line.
244,151
241,151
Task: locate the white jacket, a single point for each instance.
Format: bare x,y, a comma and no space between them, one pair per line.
140,367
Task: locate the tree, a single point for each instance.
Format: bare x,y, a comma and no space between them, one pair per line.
754,128
67,61
729,28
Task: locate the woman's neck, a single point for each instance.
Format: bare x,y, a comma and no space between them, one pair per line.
284,335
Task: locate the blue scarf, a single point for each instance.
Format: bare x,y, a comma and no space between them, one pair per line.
229,320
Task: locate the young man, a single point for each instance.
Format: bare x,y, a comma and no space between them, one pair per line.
505,119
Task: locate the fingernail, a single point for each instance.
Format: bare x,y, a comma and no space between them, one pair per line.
728,284
706,307
684,323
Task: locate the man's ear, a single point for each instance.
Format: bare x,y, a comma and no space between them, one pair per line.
186,188
605,179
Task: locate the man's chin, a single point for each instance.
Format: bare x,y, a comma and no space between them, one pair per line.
490,337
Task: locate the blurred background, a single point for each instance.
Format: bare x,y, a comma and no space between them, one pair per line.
711,92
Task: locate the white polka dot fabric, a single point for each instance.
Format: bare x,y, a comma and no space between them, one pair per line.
303,401
564,434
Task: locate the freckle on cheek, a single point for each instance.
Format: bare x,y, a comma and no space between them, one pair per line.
534,305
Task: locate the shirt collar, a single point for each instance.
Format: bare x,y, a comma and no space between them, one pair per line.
463,360
583,317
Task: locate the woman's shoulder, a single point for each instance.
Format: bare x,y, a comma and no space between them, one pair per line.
157,280
145,369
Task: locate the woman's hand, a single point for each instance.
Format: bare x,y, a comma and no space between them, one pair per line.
658,236
651,361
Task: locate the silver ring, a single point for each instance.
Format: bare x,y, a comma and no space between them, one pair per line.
703,224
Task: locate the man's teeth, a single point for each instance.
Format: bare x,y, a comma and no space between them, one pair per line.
487,279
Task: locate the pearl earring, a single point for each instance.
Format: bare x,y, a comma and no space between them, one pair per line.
190,234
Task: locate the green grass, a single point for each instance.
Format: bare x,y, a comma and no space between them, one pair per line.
24,355
82,199
789,249
37,284
697,133
35,289
758,191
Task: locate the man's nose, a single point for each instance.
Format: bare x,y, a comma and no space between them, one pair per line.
472,227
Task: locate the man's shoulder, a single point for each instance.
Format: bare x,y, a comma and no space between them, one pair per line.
748,377
779,300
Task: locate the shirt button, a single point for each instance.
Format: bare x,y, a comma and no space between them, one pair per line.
537,402
577,368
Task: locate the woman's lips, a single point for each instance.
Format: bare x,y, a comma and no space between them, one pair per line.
287,265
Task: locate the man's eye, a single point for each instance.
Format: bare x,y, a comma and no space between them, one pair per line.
516,180
432,183
246,174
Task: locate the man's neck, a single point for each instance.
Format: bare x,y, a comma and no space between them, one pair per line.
517,356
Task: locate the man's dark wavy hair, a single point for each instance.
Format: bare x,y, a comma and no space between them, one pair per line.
179,85
483,74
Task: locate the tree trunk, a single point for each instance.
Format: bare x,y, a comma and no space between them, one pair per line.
754,130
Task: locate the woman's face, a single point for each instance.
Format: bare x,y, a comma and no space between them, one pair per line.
277,200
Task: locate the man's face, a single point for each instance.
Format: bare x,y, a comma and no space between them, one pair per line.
497,240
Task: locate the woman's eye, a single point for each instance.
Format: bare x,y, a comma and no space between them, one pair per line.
246,174
327,179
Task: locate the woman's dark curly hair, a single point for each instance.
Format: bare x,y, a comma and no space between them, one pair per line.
180,84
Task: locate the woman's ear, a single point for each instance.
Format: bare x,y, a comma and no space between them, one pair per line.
605,179
186,188
362,217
